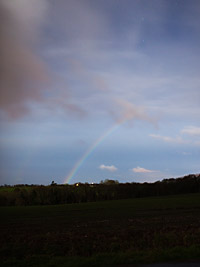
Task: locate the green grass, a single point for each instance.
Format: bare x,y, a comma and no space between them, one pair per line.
101,233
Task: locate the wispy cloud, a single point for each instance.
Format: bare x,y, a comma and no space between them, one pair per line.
110,168
142,170
169,139
191,130
126,111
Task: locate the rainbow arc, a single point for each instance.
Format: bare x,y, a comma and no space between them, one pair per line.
89,151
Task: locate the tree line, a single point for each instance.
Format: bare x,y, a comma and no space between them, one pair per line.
22,195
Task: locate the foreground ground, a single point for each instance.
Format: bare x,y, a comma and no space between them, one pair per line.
105,233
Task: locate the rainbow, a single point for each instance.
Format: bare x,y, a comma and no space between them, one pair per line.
80,162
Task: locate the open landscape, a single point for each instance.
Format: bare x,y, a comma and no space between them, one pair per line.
99,133
140,230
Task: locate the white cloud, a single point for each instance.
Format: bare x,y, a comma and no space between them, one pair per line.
111,168
169,139
191,130
142,170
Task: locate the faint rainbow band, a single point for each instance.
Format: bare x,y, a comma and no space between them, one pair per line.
80,162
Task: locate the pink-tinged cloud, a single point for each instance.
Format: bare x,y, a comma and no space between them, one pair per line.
142,170
23,74
128,111
111,168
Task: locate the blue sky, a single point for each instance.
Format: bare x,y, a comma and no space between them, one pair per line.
74,70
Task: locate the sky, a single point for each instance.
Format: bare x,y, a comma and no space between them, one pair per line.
99,89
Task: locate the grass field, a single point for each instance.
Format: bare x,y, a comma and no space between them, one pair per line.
102,233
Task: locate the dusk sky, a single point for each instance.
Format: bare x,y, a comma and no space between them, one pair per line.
99,89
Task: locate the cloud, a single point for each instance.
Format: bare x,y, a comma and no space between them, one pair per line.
24,76
111,168
191,130
142,170
169,139
23,73
128,111
86,33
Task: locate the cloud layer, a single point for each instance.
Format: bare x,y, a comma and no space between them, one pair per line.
23,74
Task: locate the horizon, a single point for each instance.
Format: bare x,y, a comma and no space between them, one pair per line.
77,183
95,90
103,181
